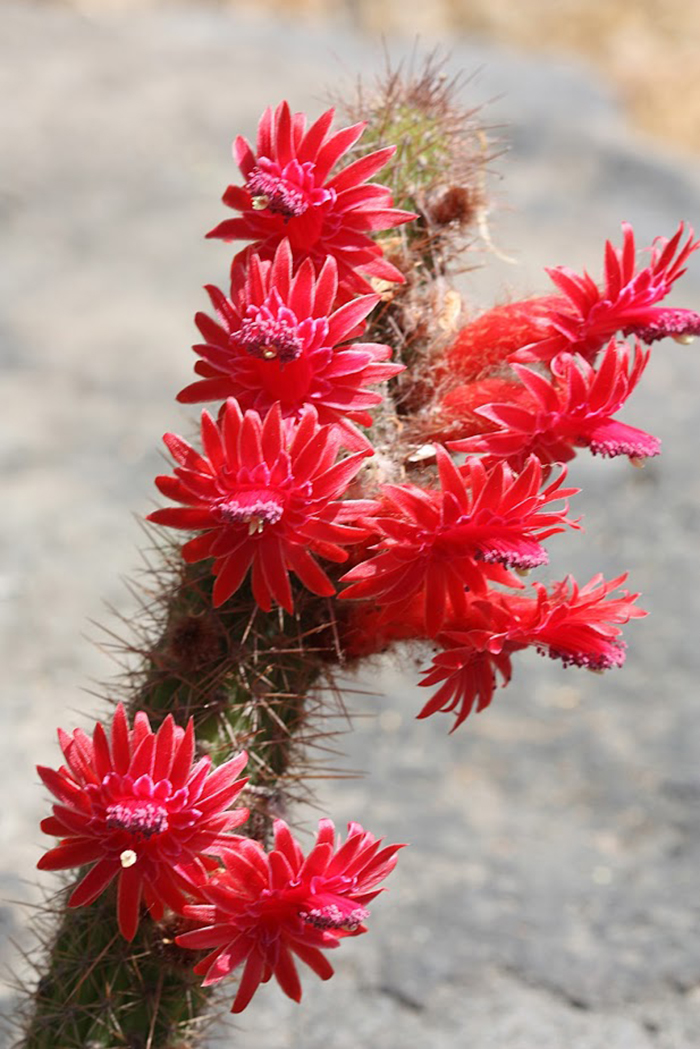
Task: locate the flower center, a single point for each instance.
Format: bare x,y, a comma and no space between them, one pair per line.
255,508
277,193
142,819
270,338
332,917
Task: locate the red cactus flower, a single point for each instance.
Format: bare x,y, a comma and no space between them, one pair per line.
264,496
443,541
587,316
265,909
277,342
289,192
576,625
572,409
138,810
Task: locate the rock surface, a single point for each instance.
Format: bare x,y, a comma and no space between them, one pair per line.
550,896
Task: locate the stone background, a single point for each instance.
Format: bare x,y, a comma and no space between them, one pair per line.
549,898
646,48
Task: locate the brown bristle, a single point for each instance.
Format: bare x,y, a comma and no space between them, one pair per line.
456,204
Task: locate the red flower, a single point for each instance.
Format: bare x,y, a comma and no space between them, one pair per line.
277,342
139,811
461,536
266,498
577,625
264,909
289,193
588,316
574,408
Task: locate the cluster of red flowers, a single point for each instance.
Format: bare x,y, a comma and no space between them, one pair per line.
585,371
268,496
137,808
530,382
508,411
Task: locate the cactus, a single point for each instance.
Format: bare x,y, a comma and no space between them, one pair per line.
298,490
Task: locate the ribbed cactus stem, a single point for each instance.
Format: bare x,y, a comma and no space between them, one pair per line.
243,676
101,991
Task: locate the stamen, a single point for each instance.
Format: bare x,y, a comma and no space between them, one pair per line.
255,509
277,193
142,819
128,858
613,656
269,338
332,917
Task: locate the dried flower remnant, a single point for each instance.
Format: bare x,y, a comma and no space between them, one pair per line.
266,497
290,192
138,810
268,911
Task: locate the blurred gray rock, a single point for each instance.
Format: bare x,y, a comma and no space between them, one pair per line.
550,896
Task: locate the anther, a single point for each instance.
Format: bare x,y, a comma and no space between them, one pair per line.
128,858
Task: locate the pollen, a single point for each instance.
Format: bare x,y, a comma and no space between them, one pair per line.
141,819
332,917
270,338
253,508
128,858
277,193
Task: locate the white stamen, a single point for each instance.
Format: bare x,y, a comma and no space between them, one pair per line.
260,202
683,340
128,858
255,525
